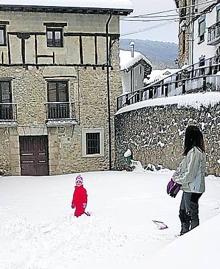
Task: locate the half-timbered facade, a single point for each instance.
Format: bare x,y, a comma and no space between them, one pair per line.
59,80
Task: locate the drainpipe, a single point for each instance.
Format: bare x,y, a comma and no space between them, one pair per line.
132,70
108,90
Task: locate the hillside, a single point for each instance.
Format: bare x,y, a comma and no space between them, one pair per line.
161,54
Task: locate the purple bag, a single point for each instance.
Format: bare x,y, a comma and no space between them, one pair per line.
173,188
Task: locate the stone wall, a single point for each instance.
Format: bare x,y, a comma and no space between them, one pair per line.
156,135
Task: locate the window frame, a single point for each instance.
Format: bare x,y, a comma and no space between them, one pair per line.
201,35
86,131
57,90
53,43
3,28
6,106
10,91
218,13
93,143
58,107
184,42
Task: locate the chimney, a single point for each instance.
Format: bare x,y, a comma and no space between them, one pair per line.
132,49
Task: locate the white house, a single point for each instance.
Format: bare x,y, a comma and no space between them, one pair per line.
135,67
206,32
157,75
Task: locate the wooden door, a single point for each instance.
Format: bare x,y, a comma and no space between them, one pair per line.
34,155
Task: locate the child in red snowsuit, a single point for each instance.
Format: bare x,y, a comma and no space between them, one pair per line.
79,201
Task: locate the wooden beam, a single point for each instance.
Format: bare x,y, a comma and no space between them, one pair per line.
55,24
4,22
36,49
81,49
23,50
9,50
96,50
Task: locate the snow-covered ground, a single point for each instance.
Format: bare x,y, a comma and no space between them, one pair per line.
38,229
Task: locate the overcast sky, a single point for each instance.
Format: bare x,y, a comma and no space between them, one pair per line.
166,32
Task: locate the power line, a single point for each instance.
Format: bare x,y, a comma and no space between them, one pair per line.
174,17
166,18
147,29
170,10
160,18
154,13
171,19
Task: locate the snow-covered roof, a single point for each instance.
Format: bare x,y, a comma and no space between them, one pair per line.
157,75
127,61
195,100
113,4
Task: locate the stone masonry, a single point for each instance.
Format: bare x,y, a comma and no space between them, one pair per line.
156,135
89,96
87,87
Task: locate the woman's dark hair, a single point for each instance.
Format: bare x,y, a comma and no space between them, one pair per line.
193,138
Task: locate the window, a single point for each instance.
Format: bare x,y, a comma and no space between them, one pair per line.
5,100
5,92
202,26
218,14
184,42
58,100
54,37
92,142
57,91
2,35
183,10
201,64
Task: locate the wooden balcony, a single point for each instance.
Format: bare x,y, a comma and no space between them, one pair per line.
214,34
8,114
60,114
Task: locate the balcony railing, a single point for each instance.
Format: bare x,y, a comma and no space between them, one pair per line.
194,78
60,111
8,112
214,34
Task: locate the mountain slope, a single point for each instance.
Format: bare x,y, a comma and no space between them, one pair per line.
161,54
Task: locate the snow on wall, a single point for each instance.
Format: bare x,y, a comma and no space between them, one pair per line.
155,133
114,4
157,75
195,100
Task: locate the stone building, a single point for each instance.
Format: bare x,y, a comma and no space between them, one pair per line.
207,35
59,80
186,15
198,30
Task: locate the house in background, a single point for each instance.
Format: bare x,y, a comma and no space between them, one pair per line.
206,43
135,67
187,11
199,55
199,35
157,75
59,80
